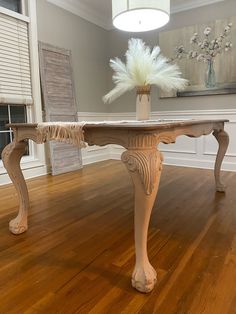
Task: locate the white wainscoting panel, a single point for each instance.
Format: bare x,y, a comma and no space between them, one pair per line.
210,144
94,153
31,168
188,152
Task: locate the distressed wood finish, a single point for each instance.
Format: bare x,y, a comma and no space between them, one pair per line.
144,166
143,161
223,140
11,157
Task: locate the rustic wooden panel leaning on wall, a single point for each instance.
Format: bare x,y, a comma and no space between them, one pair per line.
59,103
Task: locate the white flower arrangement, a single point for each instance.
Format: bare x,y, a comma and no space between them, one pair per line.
206,49
143,68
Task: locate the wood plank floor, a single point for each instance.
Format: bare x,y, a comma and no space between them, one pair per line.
78,254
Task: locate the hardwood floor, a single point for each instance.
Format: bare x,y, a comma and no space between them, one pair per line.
78,254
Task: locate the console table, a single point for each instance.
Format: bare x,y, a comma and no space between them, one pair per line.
142,159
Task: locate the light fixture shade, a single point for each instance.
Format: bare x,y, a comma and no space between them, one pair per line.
140,15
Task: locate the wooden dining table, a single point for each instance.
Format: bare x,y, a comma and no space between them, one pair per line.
142,159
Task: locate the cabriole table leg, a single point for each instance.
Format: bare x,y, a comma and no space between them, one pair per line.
223,140
11,157
144,167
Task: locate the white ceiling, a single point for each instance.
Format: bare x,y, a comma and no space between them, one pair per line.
99,11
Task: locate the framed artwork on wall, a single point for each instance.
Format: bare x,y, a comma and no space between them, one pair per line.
206,55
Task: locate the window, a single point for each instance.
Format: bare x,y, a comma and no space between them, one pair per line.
10,114
18,72
15,73
14,5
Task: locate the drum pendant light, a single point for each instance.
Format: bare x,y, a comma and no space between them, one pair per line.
140,15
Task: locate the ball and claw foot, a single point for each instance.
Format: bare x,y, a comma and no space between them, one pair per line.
17,227
144,279
220,188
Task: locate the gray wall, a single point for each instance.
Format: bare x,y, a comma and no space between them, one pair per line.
92,47
88,43
118,45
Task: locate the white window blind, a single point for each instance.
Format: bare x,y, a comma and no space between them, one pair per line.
15,77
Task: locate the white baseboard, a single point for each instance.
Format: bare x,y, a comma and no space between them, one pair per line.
187,162
90,157
32,166
28,174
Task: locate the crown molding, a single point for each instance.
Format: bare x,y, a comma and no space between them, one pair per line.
83,11
191,4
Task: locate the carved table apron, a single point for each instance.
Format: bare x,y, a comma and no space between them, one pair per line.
143,161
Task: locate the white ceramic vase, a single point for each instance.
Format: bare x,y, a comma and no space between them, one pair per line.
143,103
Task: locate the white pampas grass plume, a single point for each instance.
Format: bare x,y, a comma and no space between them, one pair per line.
143,67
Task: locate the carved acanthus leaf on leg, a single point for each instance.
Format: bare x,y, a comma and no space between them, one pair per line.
146,163
144,166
